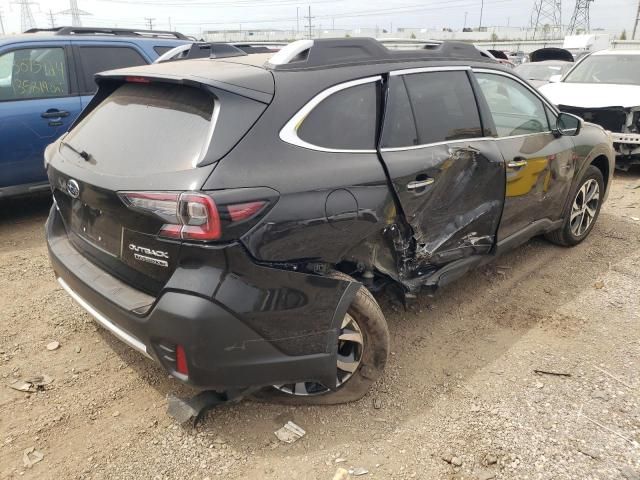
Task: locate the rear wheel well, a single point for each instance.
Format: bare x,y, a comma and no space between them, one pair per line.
602,164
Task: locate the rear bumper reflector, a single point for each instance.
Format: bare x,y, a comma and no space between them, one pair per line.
127,338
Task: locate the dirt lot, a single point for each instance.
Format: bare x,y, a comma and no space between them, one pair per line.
460,398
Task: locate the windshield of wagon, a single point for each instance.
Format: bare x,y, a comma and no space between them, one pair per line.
544,72
620,69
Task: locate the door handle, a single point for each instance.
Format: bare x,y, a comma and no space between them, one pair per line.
52,113
420,184
517,162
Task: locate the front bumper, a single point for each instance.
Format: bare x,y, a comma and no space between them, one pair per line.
251,326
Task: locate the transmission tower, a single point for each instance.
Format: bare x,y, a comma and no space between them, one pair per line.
75,13
26,16
546,19
580,19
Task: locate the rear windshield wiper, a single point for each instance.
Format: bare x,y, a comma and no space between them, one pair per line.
81,153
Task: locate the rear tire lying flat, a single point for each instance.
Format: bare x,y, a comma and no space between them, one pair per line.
367,344
583,210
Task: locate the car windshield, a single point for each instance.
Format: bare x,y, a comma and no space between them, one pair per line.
534,71
620,69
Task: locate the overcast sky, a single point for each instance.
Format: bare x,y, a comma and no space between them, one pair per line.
191,16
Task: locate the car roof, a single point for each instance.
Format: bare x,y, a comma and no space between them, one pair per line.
545,62
89,33
617,52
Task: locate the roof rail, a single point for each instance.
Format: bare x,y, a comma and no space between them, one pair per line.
333,52
125,32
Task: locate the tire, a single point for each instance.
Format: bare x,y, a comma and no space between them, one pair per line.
375,348
568,235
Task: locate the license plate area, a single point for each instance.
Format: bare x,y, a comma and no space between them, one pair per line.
94,226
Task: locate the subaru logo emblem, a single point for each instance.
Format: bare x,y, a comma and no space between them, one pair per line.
73,189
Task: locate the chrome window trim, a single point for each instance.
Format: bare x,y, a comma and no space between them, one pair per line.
411,71
289,133
435,144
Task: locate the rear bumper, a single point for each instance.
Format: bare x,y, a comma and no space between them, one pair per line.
260,326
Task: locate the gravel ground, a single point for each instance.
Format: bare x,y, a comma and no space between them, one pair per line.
460,397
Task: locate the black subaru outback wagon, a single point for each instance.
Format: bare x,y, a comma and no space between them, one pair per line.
229,217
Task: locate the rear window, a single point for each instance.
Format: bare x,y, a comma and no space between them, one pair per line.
344,121
146,128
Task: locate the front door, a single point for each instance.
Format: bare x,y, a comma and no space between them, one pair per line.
36,107
539,164
448,176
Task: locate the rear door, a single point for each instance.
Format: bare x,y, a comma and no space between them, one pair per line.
38,102
93,57
448,176
540,165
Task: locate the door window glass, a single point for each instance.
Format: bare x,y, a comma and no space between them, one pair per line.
399,123
33,73
515,109
100,59
442,105
346,120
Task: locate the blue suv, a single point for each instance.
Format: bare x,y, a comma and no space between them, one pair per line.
46,79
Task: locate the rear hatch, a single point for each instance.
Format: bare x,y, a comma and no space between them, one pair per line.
139,154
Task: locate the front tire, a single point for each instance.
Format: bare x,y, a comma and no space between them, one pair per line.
363,347
583,210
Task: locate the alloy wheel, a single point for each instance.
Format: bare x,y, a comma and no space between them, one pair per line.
350,350
585,207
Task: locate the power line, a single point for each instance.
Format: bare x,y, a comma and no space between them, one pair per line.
446,5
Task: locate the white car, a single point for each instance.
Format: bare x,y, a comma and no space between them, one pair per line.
604,88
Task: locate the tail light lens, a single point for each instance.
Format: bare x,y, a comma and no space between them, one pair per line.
191,215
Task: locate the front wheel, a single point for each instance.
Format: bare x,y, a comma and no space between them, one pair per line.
363,346
583,211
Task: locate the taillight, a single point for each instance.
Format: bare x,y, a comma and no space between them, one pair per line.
199,217
191,215
137,80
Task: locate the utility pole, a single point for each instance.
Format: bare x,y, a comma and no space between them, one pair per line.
580,18
1,23
635,26
149,21
465,20
170,29
309,26
52,20
297,21
481,10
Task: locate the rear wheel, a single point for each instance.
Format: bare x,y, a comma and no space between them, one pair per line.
363,346
583,211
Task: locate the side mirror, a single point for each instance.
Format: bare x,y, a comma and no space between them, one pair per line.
568,124
555,78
